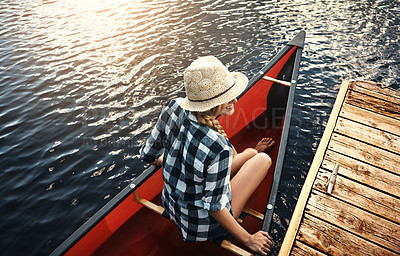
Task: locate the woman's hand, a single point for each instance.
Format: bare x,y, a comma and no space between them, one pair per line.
159,161
260,242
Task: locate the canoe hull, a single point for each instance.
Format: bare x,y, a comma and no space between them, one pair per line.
123,226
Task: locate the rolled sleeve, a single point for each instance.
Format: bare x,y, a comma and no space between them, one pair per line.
217,190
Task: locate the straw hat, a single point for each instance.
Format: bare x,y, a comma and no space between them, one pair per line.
208,83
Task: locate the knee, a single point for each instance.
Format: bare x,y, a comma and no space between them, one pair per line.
250,151
264,160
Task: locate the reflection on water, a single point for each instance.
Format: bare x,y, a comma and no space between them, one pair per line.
83,81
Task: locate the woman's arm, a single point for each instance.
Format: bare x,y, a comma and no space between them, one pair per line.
230,224
159,161
154,144
259,242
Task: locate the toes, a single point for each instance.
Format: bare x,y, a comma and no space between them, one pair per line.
269,141
265,144
262,141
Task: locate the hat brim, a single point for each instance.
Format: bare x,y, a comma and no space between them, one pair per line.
241,82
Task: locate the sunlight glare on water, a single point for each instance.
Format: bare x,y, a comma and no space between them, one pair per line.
90,31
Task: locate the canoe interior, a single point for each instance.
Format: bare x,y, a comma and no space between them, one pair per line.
124,227
147,233
151,234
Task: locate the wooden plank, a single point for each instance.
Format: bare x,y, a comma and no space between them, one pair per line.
253,213
234,249
301,202
301,249
364,152
377,89
364,173
377,93
334,241
159,210
368,134
149,205
376,105
285,83
355,220
387,124
364,197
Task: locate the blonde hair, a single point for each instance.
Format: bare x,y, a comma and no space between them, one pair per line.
208,118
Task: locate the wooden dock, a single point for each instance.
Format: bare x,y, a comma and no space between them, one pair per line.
361,216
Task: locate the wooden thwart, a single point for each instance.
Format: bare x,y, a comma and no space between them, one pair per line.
225,243
254,213
149,205
285,83
234,248
361,215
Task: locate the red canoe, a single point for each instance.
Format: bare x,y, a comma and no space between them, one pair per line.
125,227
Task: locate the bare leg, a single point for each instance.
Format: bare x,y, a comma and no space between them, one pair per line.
264,145
241,158
247,180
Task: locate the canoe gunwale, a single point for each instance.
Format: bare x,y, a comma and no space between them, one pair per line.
284,138
104,211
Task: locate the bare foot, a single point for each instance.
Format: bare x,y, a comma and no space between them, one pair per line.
264,145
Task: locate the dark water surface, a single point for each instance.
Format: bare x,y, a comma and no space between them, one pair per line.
81,83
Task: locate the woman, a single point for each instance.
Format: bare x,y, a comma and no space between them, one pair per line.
206,182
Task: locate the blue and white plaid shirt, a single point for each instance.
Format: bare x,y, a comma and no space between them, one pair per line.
196,170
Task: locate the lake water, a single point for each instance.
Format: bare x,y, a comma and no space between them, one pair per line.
82,82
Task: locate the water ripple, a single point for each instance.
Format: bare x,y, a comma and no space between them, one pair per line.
83,81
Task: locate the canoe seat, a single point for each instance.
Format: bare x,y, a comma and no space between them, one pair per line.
224,242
